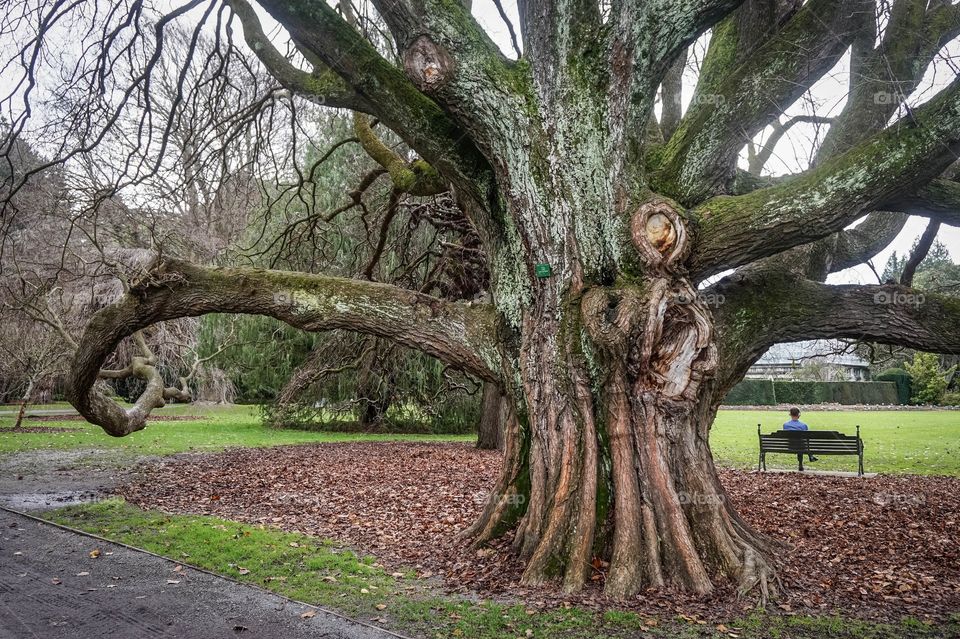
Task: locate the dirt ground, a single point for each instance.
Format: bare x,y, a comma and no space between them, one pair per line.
42,479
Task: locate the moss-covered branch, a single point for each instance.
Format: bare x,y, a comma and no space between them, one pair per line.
416,178
883,76
765,308
940,199
863,242
458,334
322,86
737,230
735,99
395,100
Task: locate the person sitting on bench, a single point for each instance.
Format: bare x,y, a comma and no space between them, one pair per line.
796,424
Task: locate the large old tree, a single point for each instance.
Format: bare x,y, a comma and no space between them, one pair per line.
636,272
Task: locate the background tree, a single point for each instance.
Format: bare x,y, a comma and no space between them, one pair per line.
605,231
928,380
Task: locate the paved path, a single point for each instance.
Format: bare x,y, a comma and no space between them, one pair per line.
50,588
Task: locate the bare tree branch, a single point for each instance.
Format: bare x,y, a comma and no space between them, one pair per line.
919,252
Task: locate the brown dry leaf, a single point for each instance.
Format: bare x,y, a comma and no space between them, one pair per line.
396,501
94,553
308,614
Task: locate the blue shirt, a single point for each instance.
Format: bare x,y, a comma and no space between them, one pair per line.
794,424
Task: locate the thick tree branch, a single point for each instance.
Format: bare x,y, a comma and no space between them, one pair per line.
762,309
731,107
881,78
322,86
863,242
737,230
458,334
448,56
671,94
940,200
887,314
645,39
399,105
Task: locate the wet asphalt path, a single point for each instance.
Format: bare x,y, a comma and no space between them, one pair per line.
51,588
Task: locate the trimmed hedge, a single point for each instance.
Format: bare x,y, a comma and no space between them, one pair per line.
766,392
901,378
751,392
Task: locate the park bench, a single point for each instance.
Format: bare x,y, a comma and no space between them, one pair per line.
810,442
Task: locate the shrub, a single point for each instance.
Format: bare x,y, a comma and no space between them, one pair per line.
928,381
951,399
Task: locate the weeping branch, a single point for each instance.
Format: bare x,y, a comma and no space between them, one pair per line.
458,334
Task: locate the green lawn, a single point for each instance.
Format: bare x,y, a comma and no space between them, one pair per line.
921,442
220,427
318,572
917,442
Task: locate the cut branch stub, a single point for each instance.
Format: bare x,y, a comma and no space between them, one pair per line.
428,64
659,234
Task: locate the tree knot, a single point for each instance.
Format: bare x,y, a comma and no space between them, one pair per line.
428,64
659,233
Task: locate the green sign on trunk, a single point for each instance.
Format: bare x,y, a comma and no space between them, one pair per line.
543,270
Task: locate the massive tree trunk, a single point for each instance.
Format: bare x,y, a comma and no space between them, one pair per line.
611,451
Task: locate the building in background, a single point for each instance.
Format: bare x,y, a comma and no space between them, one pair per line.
819,360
